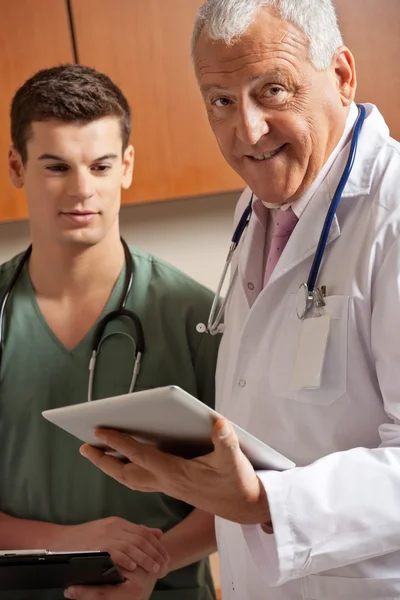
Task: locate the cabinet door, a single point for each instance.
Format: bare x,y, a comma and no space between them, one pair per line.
371,30
34,34
144,46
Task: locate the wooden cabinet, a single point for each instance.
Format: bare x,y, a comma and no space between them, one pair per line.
34,34
144,46
371,30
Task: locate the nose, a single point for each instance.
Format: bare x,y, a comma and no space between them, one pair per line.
81,185
252,124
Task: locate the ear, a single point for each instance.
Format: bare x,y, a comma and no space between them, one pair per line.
345,72
127,167
16,169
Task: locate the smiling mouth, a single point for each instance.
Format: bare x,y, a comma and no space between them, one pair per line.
262,157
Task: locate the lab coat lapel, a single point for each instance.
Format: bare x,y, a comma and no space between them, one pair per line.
251,257
304,240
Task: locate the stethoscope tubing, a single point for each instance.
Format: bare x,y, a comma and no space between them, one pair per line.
121,311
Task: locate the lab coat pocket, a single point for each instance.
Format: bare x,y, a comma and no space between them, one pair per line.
334,372
319,587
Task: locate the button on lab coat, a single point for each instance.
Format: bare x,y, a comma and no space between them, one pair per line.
336,516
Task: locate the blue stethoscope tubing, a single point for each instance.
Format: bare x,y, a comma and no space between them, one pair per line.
312,278
214,324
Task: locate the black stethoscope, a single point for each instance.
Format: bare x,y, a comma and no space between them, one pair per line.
98,335
308,295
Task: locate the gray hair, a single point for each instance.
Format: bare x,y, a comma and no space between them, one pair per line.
227,20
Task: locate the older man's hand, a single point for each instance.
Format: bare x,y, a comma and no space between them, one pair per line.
138,585
222,483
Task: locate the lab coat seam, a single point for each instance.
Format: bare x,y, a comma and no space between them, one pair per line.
346,365
381,266
374,285
292,536
394,145
304,590
384,207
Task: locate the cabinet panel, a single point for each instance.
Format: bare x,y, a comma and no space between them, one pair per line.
34,34
371,30
144,46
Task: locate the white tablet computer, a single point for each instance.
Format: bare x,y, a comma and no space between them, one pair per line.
167,417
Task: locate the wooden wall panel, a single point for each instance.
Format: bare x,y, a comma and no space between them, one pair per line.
34,34
371,30
143,45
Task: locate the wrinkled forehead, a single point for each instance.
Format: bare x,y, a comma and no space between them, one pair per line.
268,38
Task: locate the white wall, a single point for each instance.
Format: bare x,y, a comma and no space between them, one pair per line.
192,234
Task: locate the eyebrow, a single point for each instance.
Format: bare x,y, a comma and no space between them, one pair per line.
211,86
61,159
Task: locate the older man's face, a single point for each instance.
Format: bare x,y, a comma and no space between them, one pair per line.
276,118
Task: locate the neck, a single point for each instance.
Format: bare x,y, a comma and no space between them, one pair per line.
62,272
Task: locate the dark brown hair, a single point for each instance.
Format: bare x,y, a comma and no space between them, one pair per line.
68,93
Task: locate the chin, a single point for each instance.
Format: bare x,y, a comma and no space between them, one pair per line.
81,239
275,194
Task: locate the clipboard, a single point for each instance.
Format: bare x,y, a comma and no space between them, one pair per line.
41,569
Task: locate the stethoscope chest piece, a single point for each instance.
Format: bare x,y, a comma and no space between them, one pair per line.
304,301
310,302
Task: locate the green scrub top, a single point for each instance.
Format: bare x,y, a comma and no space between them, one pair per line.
42,475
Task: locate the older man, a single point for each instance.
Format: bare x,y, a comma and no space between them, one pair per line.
324,389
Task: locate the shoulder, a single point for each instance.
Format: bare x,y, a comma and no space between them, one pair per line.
169,279
7,270
381,161
389,161
179,298
385,190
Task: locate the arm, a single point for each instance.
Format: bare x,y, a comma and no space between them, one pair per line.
186,543
129,545
21,533
344,508
191,540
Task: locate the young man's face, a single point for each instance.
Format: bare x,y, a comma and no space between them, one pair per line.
73,179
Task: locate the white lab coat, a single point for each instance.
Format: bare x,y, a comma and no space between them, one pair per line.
336,517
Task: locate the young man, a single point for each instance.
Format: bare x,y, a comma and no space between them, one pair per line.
70,132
